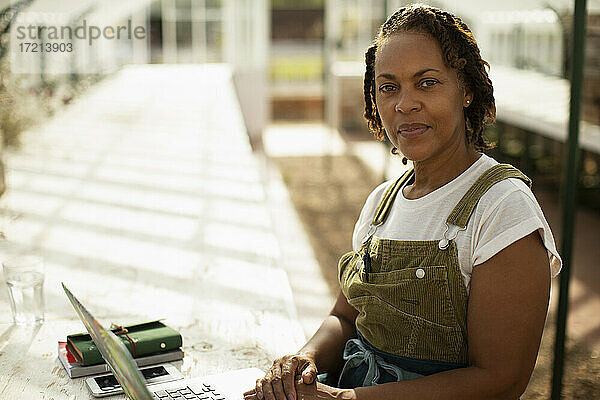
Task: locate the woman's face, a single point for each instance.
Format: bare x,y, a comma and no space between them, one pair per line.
419,99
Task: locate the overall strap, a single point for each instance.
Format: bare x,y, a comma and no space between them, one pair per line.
385,205
462,212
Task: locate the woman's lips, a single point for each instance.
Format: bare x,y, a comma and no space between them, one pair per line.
413,131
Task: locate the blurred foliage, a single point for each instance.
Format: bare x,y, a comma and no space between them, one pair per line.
296,68
295,4
26,99
19,108
214,3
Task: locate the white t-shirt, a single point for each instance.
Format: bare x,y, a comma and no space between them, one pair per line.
507,212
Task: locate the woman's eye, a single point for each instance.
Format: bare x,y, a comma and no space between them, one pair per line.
428,83
386,88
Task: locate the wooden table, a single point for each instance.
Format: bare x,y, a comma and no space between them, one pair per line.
147,201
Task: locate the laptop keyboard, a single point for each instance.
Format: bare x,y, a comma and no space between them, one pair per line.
200,392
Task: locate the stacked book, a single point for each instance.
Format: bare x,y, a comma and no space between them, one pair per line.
149,343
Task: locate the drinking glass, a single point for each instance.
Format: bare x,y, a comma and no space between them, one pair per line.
24,276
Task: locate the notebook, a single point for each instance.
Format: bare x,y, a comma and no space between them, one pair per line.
226,386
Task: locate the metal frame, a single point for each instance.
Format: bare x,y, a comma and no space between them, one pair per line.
569,194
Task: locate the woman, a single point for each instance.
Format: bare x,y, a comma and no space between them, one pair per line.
446,291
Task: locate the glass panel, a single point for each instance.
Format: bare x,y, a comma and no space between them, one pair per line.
184,33
214,41
295,4
183,5
214,3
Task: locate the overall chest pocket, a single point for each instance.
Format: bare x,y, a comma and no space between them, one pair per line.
409,312
404,309
396,332
421,292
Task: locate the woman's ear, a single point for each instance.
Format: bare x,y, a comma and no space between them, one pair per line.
468,97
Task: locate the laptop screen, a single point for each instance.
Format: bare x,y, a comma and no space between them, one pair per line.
114,353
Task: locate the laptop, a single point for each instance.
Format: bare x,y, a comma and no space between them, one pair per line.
226,386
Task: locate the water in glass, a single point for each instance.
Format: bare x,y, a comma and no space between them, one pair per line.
26,291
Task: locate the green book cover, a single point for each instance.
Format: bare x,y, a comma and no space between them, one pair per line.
141,340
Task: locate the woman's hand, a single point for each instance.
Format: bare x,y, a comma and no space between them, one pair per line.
280,381
299,370
313,391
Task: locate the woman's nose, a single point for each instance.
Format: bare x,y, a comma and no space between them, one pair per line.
407,103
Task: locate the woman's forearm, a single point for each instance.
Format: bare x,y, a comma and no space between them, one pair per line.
462,383
326,346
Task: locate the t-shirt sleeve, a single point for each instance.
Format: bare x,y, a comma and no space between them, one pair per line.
514,216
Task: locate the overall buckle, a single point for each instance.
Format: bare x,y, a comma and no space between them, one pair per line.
449,234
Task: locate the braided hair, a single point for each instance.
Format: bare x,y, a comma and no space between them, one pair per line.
460,52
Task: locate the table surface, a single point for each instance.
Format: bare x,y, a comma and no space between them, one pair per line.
145,198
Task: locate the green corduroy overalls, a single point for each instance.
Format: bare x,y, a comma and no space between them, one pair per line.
410,295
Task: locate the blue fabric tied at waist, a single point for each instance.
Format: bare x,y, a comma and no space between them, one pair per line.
356,353
365,365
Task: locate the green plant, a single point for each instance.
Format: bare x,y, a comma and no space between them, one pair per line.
18,108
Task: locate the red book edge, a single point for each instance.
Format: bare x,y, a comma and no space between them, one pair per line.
67,355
